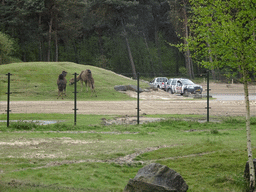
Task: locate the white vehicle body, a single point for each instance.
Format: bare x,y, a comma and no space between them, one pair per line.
185,86
159,82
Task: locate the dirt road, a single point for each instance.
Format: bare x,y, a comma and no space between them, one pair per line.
155,102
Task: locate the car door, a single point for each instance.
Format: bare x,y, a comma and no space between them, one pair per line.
173,86
179,87
158,82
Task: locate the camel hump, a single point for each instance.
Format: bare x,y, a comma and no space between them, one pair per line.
80,75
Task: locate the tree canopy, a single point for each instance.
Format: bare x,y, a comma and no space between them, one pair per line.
119,34
6,48
224,32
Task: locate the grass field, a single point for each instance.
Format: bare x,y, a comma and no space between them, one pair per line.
38,81
91,157
209,156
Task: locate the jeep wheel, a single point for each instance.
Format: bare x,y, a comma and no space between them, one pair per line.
186,92
170,91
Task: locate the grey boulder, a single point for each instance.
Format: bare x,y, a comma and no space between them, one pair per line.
120,88
127,87
156,178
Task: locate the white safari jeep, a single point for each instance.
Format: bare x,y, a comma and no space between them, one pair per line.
185,86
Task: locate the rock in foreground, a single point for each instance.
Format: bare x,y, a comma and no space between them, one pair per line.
156,178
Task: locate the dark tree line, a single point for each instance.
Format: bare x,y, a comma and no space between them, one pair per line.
126,36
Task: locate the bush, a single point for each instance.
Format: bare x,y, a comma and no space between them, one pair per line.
21,125
6,47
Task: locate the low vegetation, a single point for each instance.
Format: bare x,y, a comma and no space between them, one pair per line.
210,157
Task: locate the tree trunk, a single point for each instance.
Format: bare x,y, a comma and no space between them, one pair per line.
210,57
187,53
56,46
191,67
76,51
248,131
131,58
130,54
49,40
99,32
39,37
151,61
158,47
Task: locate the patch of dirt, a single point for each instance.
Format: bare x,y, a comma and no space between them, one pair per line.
155,95
130,120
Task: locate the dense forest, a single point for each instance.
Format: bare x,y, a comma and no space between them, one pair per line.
122,35
153,37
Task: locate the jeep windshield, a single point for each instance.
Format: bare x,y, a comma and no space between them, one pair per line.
187,82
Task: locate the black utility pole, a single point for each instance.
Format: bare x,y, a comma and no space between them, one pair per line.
138,98
208,89
8,98
75,92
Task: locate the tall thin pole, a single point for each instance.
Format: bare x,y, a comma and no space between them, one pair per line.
138,98
75,92
208,89
8,99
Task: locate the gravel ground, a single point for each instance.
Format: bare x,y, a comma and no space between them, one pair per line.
154,102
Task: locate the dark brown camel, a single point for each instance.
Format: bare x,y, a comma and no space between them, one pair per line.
86,77
61,85
64,73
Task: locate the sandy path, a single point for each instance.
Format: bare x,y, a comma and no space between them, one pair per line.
155,102
129,107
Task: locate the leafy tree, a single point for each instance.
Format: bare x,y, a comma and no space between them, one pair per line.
6,47
114,13
225,31
180,12
122,35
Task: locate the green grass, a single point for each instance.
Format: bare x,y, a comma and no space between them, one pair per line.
65,121
62,157
210,156
38,81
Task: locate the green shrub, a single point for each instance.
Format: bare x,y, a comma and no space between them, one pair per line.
21,125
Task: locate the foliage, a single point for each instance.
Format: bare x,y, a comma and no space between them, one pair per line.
224,31
23,125
6,48
87,31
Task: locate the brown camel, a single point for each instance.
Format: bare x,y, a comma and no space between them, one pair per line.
61,85
86,77
64,73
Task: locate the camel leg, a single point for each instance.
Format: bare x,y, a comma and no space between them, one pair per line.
87,86
81,85
58,94
93,90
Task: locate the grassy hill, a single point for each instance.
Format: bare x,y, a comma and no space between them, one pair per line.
38,81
